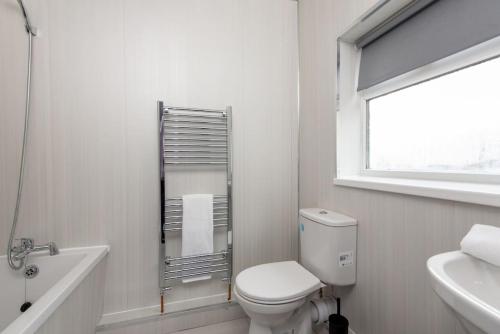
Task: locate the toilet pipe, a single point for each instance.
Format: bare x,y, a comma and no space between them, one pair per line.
322,308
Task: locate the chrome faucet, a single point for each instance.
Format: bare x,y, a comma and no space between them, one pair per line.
27,246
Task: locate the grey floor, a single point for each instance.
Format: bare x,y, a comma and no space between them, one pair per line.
239,326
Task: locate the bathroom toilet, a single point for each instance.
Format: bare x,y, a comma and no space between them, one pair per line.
276,296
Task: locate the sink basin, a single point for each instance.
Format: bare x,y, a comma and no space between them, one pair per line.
471,287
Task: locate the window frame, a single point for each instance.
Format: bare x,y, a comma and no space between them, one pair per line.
468,58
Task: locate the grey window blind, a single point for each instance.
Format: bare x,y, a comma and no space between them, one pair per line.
440,29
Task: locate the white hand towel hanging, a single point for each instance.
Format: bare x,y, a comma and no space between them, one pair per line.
197,228
483,242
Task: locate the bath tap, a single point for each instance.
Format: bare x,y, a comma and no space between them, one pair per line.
27,246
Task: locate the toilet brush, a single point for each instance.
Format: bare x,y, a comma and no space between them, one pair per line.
338,323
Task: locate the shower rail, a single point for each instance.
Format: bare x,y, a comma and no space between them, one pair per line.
194,139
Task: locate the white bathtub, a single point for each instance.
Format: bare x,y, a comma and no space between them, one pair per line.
67,293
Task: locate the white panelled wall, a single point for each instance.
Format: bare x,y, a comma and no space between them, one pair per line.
396,233
92,166
92,175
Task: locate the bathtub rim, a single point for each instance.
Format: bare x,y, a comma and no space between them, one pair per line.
44,307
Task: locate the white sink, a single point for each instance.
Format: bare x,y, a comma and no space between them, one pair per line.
471,287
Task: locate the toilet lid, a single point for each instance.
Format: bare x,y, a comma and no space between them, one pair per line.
276,282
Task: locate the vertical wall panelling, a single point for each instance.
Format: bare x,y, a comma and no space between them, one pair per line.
396,233
99,68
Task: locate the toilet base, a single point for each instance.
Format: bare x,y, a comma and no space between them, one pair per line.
255,328
299,323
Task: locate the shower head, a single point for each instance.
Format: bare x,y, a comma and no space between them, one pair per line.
29,28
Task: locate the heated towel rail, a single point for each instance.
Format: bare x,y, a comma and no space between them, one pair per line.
201,139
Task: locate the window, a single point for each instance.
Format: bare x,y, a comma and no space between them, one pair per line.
418,100
447,124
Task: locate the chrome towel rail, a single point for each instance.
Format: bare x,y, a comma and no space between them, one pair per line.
195,151
173,229
202,138
197,133
182,258
216,198
202,273
180,211
173,218
216,214
196,265
196,163
193,127
194,109
189,261
217,205
191,145
194,157
193,121
206,266
195,139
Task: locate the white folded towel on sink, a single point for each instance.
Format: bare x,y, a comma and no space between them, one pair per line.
197,228
483,242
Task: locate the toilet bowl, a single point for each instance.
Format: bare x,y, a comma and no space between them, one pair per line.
275,296
269,315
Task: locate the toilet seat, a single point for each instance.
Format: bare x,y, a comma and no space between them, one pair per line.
276,283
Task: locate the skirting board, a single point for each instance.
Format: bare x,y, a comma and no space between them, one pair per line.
144,313
185,320
202,312
201,315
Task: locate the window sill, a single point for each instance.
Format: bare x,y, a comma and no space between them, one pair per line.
477,193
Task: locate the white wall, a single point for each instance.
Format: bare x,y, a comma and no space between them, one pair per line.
99,67
397,233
